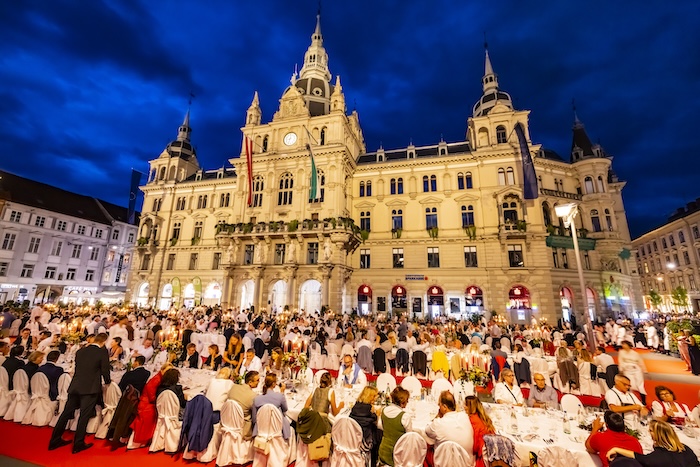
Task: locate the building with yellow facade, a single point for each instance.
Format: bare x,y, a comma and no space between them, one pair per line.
439,229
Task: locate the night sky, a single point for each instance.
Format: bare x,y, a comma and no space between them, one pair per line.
90,89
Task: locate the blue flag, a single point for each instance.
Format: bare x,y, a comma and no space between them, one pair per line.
530,190
133,194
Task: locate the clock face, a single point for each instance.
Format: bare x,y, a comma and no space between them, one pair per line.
290,138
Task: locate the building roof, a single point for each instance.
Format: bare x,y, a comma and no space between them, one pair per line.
20,190
460,147
212,174
118,213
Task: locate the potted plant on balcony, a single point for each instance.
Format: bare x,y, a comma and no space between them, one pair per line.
364,235
195,241
552,229
142,241
521,226
470,230
396,233
292,225
173,241
583,233
433,232
247,228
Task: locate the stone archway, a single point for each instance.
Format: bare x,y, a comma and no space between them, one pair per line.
247,294
310,296
278,296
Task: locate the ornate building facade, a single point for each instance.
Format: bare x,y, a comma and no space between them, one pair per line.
440,229
668,258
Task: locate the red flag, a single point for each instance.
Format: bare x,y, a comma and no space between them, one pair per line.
249,160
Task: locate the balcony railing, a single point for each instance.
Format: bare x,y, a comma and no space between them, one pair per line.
561,194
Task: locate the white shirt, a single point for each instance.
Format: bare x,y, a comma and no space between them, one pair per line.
681,410
255,365
619,398
45,344
392,411
603,361
507,394
146,352
453,426
217,392
347,379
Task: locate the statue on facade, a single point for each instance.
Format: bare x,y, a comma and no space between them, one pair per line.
291,252
327,249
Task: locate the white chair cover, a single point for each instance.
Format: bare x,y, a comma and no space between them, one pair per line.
347,350
316,360
269,423
412,385
168,427
41,408
4,391
386,378
570,404
332,359
462,389
19,397
63,384
233,448
347,440
209,454
450,454
540,365
410,450
586,385
439,385
93,423
505,344
317,377
556,456
111,400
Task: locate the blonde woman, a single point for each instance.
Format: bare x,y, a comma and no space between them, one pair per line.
365,414
234,352
219,387
668,449
507,390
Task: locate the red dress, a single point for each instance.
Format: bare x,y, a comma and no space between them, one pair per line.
144,425
479,431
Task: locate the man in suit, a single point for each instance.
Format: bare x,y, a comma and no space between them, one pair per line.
137,377
52,373
190,357
13,363
244,395
91,366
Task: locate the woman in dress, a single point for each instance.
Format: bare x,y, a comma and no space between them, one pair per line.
693,352
667,409
668,449
322,400
213,361
632,366
146,415
482,425
116,351
234,353
364,413
274,364
170,382
683,350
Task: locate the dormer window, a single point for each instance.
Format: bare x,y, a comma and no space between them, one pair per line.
501,134
411,154
380,157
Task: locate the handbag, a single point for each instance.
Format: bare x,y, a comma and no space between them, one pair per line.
321,448
262,445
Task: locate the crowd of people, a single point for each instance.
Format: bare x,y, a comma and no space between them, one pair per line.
249,371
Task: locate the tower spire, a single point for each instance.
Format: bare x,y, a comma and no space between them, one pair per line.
490,79
183,133
316,58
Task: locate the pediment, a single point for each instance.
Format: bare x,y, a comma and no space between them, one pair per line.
397,202
466,197
506,190
365,204
431,200
292,105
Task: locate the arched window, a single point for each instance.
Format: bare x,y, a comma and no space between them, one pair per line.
430,218
588,183
399,186
464,180
483,136
501,177
368,191
510,176
162,174
671,240
322,138
321,187
460,181
397,219
224,200
365,221
601,185
426,184
468,180
467,216
286,185
681,237
392,186
595,221
204,201
510,212
501,134
258,187
433,183
546,214
362,189
265,142
663,243
608,220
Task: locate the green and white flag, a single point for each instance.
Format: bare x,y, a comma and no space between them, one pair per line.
314,192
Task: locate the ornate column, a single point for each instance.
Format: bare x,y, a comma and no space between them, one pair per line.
327,270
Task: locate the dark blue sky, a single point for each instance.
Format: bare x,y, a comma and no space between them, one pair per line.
89,89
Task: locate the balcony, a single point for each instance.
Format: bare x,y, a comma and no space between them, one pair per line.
560,241
561,194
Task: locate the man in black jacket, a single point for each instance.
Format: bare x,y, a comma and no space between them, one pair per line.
137,377
91,366
52,373
13,363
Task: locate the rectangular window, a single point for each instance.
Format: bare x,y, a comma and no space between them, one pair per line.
90,275
216,261
397,258
81,230
696,232
431,218
515,256
663,286
50,273
115,235
15,216
99,233
470,260
364,258
433,257
171,262
34,245
107,276
673,283
94,254
280,249
397,219
145,262
8,243
555,257
70,274
27,270
110,256
127,258
3,269
686,258
675,260
646,268
39,221
198,229
130,238
193,261
56,248
313,253
77,250
691,280
564,259
248,254
61,225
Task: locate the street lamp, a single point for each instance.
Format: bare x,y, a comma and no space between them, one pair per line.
567,212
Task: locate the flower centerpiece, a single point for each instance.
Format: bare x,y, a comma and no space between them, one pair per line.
534,343
72,337
476,375
173,347
295,362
